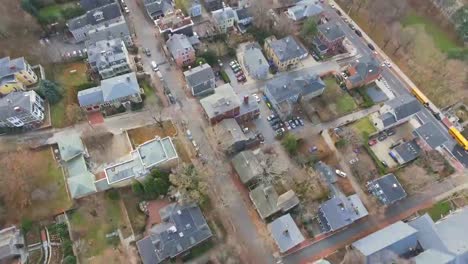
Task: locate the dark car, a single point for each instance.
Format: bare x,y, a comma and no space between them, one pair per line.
391,132
382,137
358,32
371,46
338,12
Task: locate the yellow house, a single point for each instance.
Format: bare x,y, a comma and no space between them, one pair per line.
286,53
15,75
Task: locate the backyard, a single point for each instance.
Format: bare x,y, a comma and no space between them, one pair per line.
104,211
334,102
59,12
32,186
71,77
140,135
363,127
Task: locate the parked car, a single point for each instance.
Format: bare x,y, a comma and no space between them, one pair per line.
372,142
301,122
257,98
241,78
270,117
352,26
154,66
338,12
340,173
358,32
276,126
297,123
391,132
147,52
371,46
236,69
382,137
232,63
240,73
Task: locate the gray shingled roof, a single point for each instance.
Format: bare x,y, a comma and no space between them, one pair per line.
109,12
287,48
178,42
387,119
293,85
183,227
247,166
243,13
10,66
363,69
285,233
330,31
12,100
119,29
253,58
105,53
158,7
404,106
224,99
306,8
92,4
119,86
224,14
91,96
387,189
198,77
407,151
431,135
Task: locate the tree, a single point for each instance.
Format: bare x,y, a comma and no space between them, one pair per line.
460,19
26,225
50,91
155,184
137,188
210,57
309,29
259,10
29,7
188,183
290,143
284,26
69,260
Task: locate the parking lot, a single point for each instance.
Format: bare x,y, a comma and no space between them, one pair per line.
383,144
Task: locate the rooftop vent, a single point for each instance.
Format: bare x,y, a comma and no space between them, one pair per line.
179,212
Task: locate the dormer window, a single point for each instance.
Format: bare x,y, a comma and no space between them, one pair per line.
98,15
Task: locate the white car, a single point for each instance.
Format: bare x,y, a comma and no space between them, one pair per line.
256,98
154,66
232,63
388,64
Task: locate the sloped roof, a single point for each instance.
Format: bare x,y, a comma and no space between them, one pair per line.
158,6
265,200
199,75
119,86
91,96
431,135
306,8
340,211
81,184
363,70
224,99
92,4
10,66
109,12
247,166
330,31
70,146
224,14
285,233
177,43
404,106
408,151
253,58
105,53
287,48
15,99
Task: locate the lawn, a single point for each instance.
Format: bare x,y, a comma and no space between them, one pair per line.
140,135
137,218
364,126
59,12
32,176
106,217
441,40
150,95
439,210
69,76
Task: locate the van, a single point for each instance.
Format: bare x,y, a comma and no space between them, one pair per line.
154,66
341,173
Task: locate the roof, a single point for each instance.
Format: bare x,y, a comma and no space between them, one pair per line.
12,244
223,100
306,8
183,227
199,77
23,100
288,200
404,106
427,233
177,43
156,151
10,66
453,233
109,12
230,132
106,53
383,239
362,71
117,29
91,96
431,135
158,7
287,48
92,4
82,184
247,166
387,189
243,13
173,21
119,86
330,31
265,199
223,14
387,119
327,172
253,58
285,233
406,151
292,85
70,146
341,211
433,256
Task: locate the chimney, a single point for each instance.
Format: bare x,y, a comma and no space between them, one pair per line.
286,232
9,101
395,185
259,61
246,99
17,109
128,78
108,44
285,86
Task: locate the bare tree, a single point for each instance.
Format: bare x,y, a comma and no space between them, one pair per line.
158,119
188,184
259,11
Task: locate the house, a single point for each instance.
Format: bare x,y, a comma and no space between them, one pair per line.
154,153
224,103
181,50
13,248
224,18
254,61
93,4
175,22
200,80
109,58
102,16
419,241
195,8
244,19
340,211
397,111
247,166
182,228
212,5
157,8
15,75
21,109
405,152
268,203
113,92
116,29
328,174
329,38
285,233
231,137
79,179
362,73
249,109
387,189
287,89
305,9
431,135
285,53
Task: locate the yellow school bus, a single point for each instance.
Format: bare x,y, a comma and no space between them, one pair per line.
459,137
420,96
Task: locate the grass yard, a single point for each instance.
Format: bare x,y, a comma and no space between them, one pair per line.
363,126
440,38
140,135
34,177
137,218
150,95
439,210
59,12
69,76
97,215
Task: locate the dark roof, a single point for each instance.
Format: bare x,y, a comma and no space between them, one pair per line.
247,166
8,103
387,119
387,189
340,211
407,151
331,31
291,85
431,135
404,106
157,7
363,70
327,172
109,12
287,48
243,13
182,227
199,78
92,4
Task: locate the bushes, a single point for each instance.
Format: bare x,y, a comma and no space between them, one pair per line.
259,34
50,91
156,184
71,12
113,195
26,225
210,57
85,86
225,77
290,143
